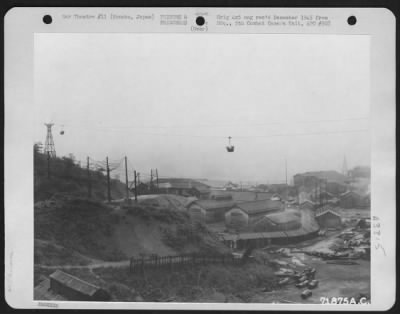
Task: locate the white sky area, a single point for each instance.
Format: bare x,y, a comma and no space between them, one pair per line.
169,101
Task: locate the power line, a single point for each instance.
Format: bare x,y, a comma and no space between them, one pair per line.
218,125
255,136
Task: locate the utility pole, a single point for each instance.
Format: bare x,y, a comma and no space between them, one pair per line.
135,186
48,165
126,178
157,177
89,180
108,182
138,180
151,180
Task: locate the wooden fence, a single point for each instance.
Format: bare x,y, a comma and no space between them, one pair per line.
175,262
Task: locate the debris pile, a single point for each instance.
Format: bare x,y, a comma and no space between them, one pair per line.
289,274
355,245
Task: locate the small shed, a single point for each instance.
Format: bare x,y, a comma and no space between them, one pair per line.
76,289
328,217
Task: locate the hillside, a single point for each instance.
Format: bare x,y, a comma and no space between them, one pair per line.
97,231
67,177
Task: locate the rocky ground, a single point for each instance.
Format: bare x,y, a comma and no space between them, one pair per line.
340,263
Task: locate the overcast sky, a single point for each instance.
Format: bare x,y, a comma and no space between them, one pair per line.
169,101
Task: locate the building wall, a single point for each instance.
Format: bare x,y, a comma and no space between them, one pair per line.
306,205
350,201
335,188
197,214
236,219
329,220
307,181
215,214
67,292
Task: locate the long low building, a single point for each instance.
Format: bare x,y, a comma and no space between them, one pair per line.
293,229
209,211
244,214
231,212
284,221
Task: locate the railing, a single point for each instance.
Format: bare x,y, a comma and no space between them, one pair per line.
171,262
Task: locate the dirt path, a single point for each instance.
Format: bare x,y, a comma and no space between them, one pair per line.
90,266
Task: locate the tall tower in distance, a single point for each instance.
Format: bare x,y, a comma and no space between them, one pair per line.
344,167
49,148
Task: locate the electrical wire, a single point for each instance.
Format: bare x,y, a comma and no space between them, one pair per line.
217,125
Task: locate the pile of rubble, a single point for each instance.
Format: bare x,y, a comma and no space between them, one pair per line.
301,279
355,245
287,271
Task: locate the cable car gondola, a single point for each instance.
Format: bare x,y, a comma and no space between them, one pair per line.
230,148
62,130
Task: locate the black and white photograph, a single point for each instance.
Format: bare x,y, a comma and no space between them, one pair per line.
203,168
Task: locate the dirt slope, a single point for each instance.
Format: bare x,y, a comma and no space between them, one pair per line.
80,227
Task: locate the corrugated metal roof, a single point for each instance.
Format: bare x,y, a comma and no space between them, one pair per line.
213,204
244,196
327,209
74,283
282,218
256,207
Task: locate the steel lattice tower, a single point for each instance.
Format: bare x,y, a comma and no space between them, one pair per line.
49,145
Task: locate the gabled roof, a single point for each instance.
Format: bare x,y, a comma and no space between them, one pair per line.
213,204
330,176
349,193
202,189
245,196
257,207
307,201
282,218
75,283
327,209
